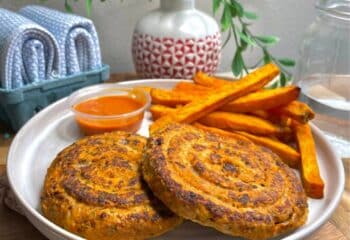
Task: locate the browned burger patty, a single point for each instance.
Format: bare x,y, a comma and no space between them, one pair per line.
94,189
232,185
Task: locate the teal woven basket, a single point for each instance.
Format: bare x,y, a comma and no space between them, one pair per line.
17,106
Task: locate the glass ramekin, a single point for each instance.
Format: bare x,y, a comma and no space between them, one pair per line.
92,124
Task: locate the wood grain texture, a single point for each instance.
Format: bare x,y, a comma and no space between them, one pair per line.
341,216
4,144
16,227
328,232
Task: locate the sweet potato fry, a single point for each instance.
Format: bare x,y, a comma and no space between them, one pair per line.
310,173
288,155
296,110
280,120
170,98
237,121
266,99
221,96
241,122
208,81
262,100
191,87
158,111
274,118
261,114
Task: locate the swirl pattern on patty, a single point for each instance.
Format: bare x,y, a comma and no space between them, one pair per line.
94,188
233,185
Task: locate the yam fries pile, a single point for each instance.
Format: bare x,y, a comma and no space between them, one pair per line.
272,118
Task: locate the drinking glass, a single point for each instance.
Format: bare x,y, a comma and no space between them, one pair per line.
323,71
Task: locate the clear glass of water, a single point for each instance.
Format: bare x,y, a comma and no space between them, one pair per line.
323,71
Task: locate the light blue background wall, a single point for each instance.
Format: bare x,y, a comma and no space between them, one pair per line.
115,20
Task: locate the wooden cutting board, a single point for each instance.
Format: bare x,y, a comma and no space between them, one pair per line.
16,227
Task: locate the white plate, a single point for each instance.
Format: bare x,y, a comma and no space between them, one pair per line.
54,128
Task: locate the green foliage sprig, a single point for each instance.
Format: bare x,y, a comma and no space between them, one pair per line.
69,8
235,20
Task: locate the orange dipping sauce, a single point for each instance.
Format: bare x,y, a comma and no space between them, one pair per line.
110,113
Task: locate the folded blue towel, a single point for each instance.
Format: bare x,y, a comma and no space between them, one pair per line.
28,52
76,36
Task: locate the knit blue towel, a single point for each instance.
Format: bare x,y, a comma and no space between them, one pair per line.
28,52
76,36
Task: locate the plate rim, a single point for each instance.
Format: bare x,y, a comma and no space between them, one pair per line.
29,210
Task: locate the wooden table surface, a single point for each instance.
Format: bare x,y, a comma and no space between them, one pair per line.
13,226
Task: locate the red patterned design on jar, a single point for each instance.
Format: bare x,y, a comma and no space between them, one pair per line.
167,57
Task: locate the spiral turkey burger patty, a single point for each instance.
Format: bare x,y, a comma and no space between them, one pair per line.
94,189
229,184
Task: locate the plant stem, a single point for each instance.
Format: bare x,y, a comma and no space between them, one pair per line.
244,38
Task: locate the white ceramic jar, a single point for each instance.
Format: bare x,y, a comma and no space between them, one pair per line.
176,41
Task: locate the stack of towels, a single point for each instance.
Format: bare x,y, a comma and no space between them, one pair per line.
39,44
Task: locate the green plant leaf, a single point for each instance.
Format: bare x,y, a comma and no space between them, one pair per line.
237,63
269,40
274,85
68,6
250,15
88,6
287,62
243,44
283,79
216,5
233,10
267,57
239,8
226,18
246,38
